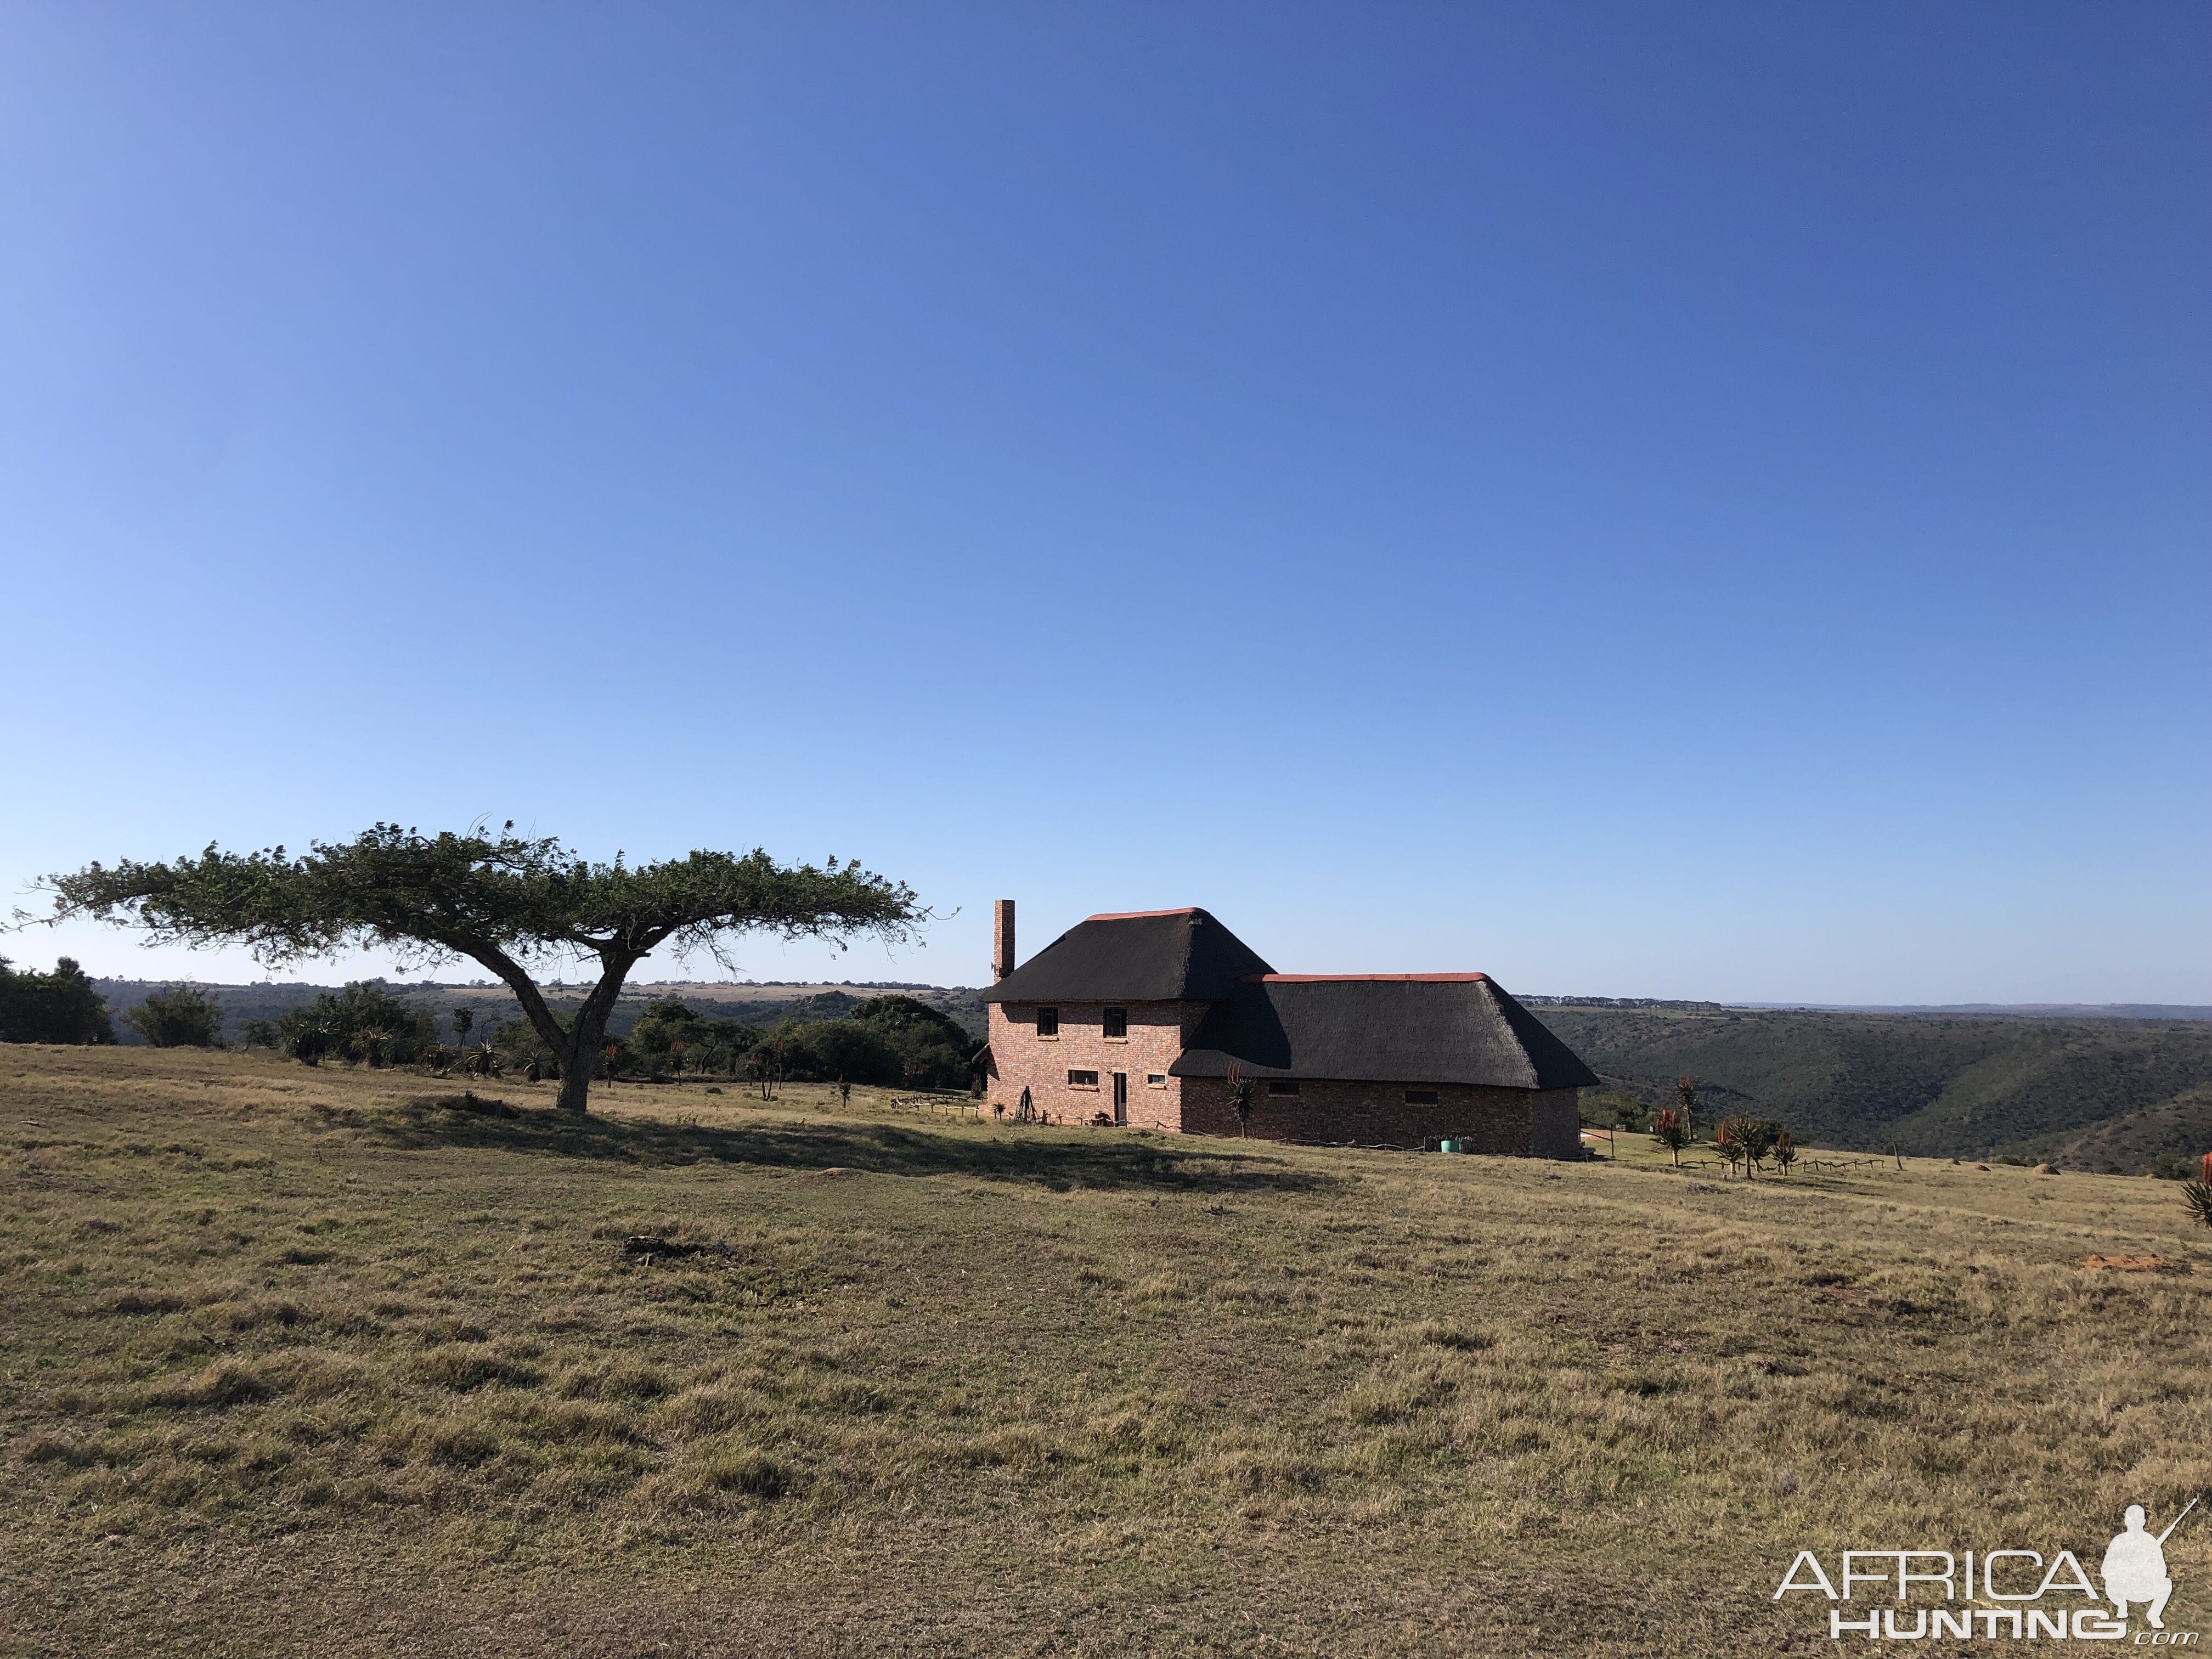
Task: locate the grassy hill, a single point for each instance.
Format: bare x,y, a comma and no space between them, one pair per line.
305,1363
1938,1085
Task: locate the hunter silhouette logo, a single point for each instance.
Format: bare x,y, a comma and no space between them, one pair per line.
2013,1593
2134,1567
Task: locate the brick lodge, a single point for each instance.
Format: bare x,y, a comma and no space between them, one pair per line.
1138,1019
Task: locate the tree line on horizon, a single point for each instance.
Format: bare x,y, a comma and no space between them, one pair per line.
890,1041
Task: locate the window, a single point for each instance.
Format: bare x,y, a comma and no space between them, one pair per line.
1117,1023
1282,1085
1421,1097
1048,1022
1156,1079
1083,1079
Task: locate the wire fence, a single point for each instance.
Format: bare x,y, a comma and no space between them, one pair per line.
940,1102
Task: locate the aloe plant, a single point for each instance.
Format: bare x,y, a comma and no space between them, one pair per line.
2197,1194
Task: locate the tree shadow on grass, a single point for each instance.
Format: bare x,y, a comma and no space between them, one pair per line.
1039,1158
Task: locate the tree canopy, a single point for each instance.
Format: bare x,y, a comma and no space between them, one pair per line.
505,901
57,1007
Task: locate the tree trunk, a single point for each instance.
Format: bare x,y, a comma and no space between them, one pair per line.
577,1045
579,1055
575,1085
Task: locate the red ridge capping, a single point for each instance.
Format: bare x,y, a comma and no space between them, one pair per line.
1131,915
1394,979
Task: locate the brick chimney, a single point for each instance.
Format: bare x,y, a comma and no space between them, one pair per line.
1002,940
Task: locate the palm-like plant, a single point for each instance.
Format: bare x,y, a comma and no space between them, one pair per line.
1671,1132
1785,1150
1240,1098
1729,1148
2197,1194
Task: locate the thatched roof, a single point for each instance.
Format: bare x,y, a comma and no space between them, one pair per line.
1146,955
1383,1028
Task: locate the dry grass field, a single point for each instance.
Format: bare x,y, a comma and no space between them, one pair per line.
298,1363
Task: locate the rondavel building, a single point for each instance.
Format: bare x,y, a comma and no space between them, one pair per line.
1139,1018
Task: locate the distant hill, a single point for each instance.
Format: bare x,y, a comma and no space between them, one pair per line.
2026,1010
756,1004
2102,1093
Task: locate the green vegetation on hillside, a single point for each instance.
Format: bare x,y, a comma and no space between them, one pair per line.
892,1041
1934,1085
302,1362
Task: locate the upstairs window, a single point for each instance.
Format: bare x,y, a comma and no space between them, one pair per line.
1282,1085
1421,1097
1047,1022
1117,1023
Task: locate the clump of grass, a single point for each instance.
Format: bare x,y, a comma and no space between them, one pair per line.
621,1379
462,1367
1443,1336
136,1302
224,1383
1161,1287
720,1476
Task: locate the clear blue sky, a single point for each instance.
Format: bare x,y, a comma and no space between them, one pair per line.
1695,500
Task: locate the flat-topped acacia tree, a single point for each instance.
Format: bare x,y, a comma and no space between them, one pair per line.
504,901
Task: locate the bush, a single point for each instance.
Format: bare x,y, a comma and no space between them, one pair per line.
514,1046
57,1007
364,1024
850,1048
182,1017
932,1048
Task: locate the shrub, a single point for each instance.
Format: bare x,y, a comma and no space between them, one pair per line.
364,1024
182,1017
